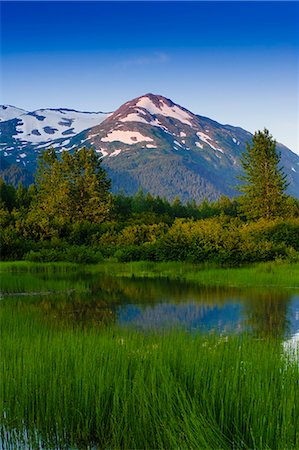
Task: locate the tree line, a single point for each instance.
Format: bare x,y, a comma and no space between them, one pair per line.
70,214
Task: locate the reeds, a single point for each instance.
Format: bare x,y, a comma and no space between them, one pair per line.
268,274
76,388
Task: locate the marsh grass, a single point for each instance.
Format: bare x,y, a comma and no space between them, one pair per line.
270,274
26,266
25,277
124,389
273,274
74,387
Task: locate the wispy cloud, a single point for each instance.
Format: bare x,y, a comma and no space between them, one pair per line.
154,58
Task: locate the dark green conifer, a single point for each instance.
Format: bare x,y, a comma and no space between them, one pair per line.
264,181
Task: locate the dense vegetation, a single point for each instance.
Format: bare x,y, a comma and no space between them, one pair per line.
73,388
69,214
94,385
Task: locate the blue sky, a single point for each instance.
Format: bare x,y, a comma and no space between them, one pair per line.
235,62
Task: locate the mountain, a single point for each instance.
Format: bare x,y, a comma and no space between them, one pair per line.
25,134
27,131
8,112
149,142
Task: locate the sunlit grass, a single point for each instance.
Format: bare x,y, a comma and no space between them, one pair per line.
124,389
275,274
24,277
65,387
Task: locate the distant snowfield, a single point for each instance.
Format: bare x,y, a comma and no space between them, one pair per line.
8,112
45,125
59,124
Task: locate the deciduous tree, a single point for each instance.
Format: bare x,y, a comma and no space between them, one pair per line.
73,187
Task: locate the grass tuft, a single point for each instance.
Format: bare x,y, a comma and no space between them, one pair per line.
124,389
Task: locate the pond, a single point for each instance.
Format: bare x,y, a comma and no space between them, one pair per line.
90,360
71,299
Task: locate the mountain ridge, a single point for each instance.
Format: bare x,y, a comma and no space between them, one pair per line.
148,142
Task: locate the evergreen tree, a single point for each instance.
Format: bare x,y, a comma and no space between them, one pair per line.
264,181
7,195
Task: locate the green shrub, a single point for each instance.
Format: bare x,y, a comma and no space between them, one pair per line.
81,254
75,254
129,253
13,245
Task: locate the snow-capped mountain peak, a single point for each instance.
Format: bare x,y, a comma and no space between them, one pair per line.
150,121
158,105
8,112
46,125
149,141
148,108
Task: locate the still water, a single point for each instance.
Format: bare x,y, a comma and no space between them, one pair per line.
81,299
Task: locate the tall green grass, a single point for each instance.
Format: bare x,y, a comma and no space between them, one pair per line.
121,389
269,274
22,277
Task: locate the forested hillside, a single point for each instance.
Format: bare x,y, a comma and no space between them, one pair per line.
69,214
148,142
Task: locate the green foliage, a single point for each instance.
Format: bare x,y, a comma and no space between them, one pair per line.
264,181
76,254
129,253
12,244
228,241
73,188
70,216
7,196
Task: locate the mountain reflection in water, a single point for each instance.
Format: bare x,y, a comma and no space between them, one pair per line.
146,303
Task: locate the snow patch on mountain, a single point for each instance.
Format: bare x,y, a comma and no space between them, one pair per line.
203,137
177,143
134,117
45,125
115,153
235,141
163,109
103,152
206,138
8,112
127,137
59,123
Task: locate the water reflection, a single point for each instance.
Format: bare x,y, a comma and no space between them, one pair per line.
267,313
192,316
72,300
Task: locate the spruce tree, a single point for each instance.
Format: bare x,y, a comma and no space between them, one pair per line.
264,181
